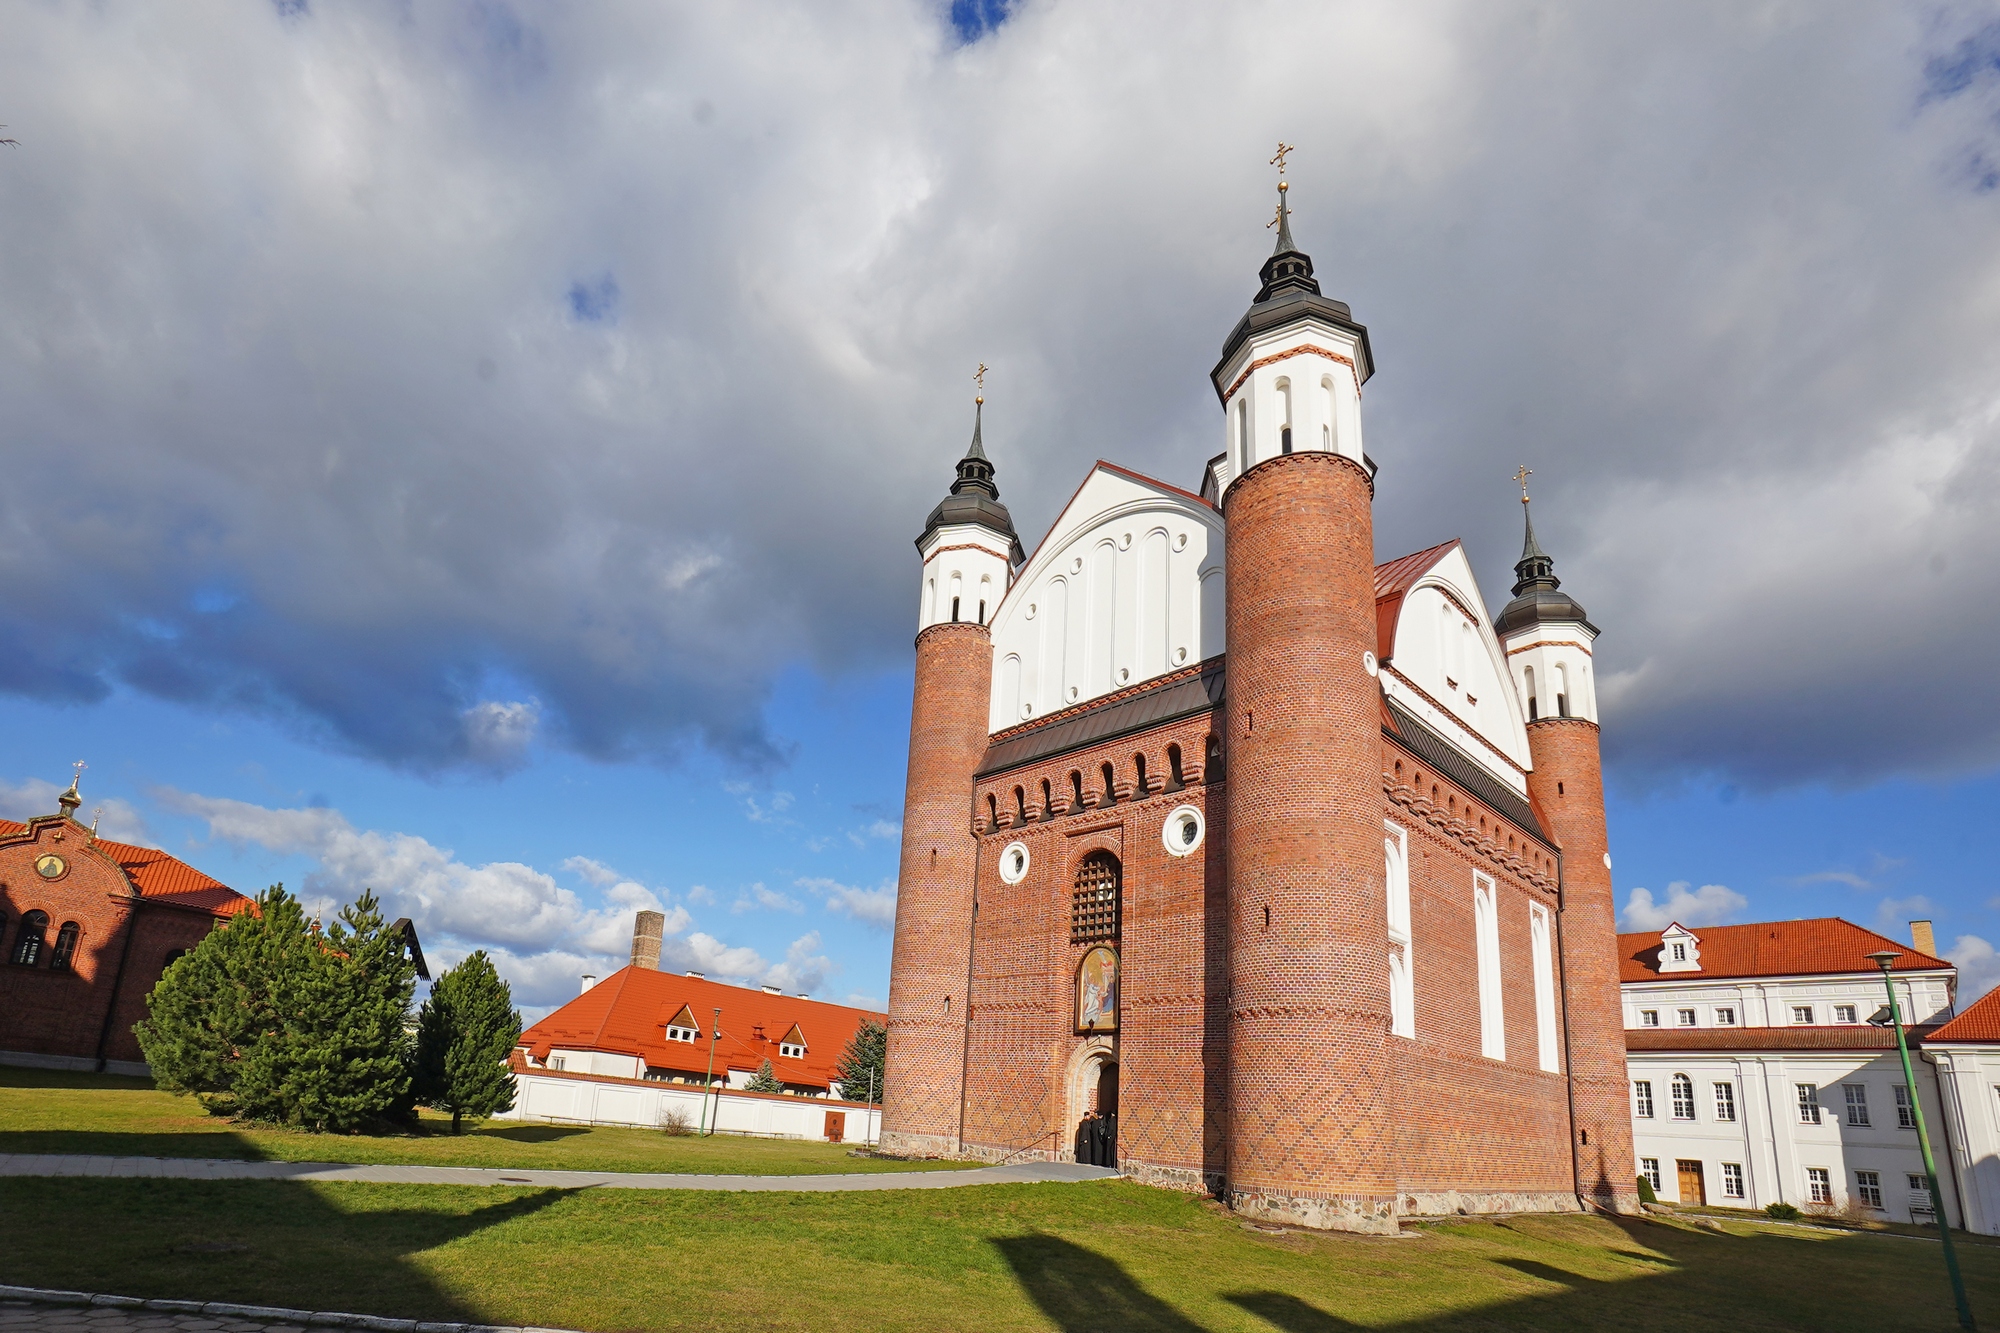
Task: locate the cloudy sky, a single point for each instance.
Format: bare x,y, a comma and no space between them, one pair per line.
473,449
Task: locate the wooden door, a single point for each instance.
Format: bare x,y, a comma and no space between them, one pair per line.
1691,1186
836,1126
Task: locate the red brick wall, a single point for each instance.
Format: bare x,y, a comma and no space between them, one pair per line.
1568,789
1310,1097
1024,1047
927,978
62,1013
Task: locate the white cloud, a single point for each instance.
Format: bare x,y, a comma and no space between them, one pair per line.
541,934
1709,905
1847,877
757,896
885,829
1893,915
701,895
876,907
1978,966
1745,256
120,822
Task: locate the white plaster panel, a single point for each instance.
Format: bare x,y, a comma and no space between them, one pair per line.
1319,397
1126,587
966,557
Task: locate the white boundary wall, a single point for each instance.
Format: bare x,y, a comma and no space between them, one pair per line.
572,1100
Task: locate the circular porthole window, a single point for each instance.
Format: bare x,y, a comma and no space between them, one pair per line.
51,866
1183,830
1014,862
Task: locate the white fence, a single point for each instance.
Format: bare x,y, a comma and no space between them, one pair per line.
572,1099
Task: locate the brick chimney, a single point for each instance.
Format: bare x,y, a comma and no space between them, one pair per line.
646,932
1922,938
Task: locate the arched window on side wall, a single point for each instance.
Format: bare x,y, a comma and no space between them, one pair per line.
1110,786
1212,765
992,812
1284,416
1562,690
32,941
63,956
1076,789
1020,806
1048,801
1533,703
1094,902
1175,780
1139,781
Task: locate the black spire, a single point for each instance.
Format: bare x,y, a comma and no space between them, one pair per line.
1537,596
1289,269
974,498
975,470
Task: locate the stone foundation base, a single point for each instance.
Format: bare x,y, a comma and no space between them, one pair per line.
901,1144
81,1064
998,1153
1452,1203
1336,1212
1186,1179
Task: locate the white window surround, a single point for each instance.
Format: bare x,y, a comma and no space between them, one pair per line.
1819,1184
1649,1018
1402,974
1649,1167
1844,1013
1183,831
1725,1016
791,1051
1802,1015
1809,1107
1541,937
1682,1090
1014,861
1732,1180
1684,1018
1725,1102
1642,1098
681,1034
1486,935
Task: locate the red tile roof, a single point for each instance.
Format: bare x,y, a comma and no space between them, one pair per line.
1822,946
1860,1036
1980,1022
1393,582
627,1014
161,878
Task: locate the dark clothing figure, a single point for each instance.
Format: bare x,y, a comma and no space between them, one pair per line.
1107,1140
1086,1139
1097,1139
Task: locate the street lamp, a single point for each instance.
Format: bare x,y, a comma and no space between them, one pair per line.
1884,959
715,1035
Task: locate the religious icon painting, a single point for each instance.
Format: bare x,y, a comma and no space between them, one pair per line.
1097,991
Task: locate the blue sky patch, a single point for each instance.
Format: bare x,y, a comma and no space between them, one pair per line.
1973,59
595,301
973,19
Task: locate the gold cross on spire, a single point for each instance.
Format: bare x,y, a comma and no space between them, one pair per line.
1278,160
979,375
79,766
1522,477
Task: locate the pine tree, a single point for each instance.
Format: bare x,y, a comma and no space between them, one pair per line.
764,1080
465,1032
339,1056
212,1009
859,1069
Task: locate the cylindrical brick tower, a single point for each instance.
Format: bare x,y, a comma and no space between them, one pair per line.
968,542
1308,1006
1548,639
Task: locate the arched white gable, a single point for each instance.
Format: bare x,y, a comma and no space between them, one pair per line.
1127,586
1450,670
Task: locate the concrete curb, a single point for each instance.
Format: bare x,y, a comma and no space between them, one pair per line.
266,1313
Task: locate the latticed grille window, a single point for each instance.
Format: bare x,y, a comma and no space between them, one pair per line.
1093,912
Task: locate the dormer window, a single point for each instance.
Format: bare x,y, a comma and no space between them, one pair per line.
677,1033
1680,949
791,1052
683,1026
1680,953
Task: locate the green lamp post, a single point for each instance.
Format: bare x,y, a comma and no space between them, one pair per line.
1885,959
715,1035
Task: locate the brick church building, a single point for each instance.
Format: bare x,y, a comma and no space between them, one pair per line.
87,926
1291,864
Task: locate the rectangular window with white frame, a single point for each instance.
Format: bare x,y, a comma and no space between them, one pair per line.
1843,1013
1819,1184
1402,978
1541,933
1857,1103
1808,1104
1725,1101
1732,1180
1649,1018
1642,1098
1868,1188
1682,1088
1486,935
1725,1016
1802,1014
1905,1117
1649,1167
1684,1018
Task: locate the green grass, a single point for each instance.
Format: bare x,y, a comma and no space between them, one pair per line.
45,1112
1099,1257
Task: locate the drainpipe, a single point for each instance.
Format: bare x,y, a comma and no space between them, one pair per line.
1952,1113
117,982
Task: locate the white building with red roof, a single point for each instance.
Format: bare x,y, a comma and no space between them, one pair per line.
1762,1071
1965,1055
643,1045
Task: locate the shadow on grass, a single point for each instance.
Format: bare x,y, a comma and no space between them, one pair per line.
524,1133
221,1143
1082,1291
254,1242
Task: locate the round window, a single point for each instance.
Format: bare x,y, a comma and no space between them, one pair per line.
51,866
1014,862
1183,830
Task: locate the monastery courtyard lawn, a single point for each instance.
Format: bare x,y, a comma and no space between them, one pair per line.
44,1112
1096,1257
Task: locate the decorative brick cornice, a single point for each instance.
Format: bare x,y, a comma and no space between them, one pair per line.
1303,349
942,625
1552,643
1422,810
1301,457
1563,722
1473,732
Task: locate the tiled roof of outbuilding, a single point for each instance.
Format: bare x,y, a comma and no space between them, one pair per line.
161,878
1859,1036
1980,1022
627,1014
1822,946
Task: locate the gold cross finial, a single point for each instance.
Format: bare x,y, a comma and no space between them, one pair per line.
1277,216
1522,477
79,766
979,376
1278,160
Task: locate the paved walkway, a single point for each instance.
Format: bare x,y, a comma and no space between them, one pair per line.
33,1310
196,1168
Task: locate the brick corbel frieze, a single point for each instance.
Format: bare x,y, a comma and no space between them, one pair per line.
1457,830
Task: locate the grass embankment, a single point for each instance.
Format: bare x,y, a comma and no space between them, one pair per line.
1099,1257
44,1112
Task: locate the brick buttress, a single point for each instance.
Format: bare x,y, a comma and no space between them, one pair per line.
924,1081
1307,1134
1567,786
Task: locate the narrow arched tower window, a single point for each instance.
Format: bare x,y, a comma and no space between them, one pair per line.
1094,901
1139,783
1048,801
1243,435
1020,806
61,956
1110,785
1331,405
1284,416
32,940
1528,675
1174,779
1562,690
